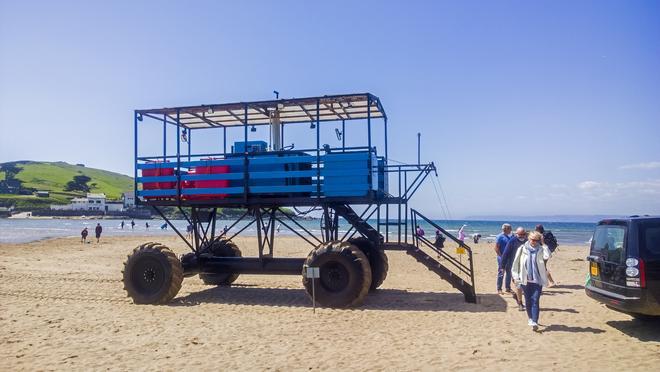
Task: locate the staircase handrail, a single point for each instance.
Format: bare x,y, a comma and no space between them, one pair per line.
469,271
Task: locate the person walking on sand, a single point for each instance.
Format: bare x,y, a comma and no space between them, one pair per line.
529,271
550,241
510,250
500,243
419,231
122,224
461,233
439,240
98,232
132,224
83,235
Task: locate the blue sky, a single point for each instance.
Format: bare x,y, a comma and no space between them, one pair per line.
527,108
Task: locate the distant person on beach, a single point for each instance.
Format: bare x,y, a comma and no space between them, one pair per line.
189,231
278,228
528,270
419,231
461,233
132,224
98,232
146,225
163,226
476,238
500,243
122,225
439,239
550,241
224,231
83,235
519,238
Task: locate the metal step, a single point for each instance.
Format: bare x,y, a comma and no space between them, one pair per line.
446,274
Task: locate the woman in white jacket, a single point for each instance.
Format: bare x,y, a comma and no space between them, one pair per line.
529,271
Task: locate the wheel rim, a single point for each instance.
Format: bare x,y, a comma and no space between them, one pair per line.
148,275
334,276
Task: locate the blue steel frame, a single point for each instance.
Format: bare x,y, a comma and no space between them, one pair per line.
293,195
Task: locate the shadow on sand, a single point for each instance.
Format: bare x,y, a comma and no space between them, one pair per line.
566,286
565,328
382,299
646,330
552,292
572,311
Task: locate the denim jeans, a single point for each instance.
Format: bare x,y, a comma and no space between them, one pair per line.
532,293
503,275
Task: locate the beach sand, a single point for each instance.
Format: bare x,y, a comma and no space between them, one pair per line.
62,306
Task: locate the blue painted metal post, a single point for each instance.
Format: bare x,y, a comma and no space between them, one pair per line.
369,124
245,157
224,140
385,120
387,206
369,177
343,135
135,160
178,156
189,142
164,137
318,148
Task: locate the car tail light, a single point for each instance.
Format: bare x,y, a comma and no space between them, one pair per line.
635,273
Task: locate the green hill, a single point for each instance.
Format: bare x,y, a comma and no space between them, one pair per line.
63,181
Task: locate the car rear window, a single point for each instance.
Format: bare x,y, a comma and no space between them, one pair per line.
650,239
608,243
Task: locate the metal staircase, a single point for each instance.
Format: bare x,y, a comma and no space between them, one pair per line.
362,226
460,275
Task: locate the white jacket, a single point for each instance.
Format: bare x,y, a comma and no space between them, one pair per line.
519,269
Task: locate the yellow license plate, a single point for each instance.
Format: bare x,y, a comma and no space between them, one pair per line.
594,269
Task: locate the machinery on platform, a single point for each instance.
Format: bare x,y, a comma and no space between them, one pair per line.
351,185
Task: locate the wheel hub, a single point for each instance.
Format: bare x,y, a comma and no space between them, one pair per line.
334,276
149,275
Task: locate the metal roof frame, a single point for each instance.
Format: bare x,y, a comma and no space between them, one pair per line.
293,110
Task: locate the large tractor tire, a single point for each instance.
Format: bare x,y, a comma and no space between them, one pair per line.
220,248
377,260
345,274
152,274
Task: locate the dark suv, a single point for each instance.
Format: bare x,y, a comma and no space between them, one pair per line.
624,265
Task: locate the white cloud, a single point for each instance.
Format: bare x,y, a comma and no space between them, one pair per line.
647,165
619,190
589,185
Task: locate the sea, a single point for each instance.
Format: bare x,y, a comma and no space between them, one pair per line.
31,229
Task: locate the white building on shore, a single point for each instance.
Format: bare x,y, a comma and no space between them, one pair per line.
129,199
93,203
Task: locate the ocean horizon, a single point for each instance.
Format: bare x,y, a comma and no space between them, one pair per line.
28,230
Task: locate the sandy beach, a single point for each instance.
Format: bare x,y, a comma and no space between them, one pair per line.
62,306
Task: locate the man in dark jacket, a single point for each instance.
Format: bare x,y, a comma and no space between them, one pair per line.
98,232
551,242
507,260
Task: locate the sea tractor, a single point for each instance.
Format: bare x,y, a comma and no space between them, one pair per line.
353,186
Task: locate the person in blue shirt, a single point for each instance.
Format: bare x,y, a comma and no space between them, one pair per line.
518,239
500,243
